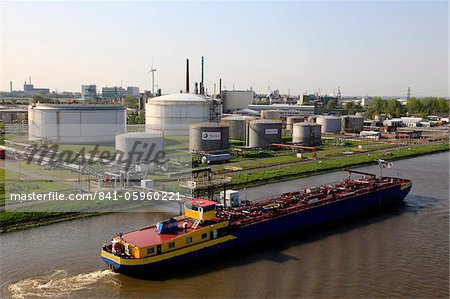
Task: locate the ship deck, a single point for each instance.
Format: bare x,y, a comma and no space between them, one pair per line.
148,236
309,198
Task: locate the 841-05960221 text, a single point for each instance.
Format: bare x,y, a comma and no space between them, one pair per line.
98,195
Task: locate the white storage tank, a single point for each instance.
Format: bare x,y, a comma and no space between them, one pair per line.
208,137
174,113
151,144
308,134
291,120
238,126
313,118
270,114
330,124
352,123
76,123
263,132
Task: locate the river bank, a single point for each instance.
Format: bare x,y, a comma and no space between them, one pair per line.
12,221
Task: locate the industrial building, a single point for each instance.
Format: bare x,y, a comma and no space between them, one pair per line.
270,114
133,91
236,99
411,121
75,123
352,124
14,115
30,89
89,92
112,93
174,113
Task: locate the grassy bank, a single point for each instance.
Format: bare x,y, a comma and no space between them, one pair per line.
12,221
259,177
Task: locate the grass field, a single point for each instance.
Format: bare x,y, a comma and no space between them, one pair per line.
38,186
8,175
45,170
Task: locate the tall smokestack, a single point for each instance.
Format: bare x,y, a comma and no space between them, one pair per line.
187,75
220,86
29,79
10,86
202,85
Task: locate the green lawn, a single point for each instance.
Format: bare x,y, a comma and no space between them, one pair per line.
45,170
8,175
37,186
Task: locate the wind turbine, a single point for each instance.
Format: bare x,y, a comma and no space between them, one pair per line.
152,70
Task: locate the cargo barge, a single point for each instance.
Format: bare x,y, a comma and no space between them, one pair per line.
207,227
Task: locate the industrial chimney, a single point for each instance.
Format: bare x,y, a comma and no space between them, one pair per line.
187,75
202,84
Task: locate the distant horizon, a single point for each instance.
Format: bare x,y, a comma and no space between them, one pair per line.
363,48
343,96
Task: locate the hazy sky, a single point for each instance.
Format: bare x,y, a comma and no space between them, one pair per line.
374,48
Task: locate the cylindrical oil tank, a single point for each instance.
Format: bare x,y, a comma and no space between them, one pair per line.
308,134
330,124
291,120
352,123
263,132
270,114
130,145
238,126
313,118
76,123
208,137
174,113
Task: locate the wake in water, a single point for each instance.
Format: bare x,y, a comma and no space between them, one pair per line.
59,284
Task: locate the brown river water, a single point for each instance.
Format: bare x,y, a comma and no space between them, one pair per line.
403,252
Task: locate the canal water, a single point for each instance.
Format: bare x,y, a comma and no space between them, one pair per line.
400,253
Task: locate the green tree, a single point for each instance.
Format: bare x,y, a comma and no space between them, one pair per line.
394,108
414,106
376,106
131,102
331,105
132,118
352,108
444,105
141,119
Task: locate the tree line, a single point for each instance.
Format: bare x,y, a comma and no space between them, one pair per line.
414,107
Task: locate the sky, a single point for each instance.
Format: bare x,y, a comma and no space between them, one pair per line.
364,48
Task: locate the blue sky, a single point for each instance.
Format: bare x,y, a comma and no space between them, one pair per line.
375,48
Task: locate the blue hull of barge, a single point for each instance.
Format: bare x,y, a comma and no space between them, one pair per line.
279,226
